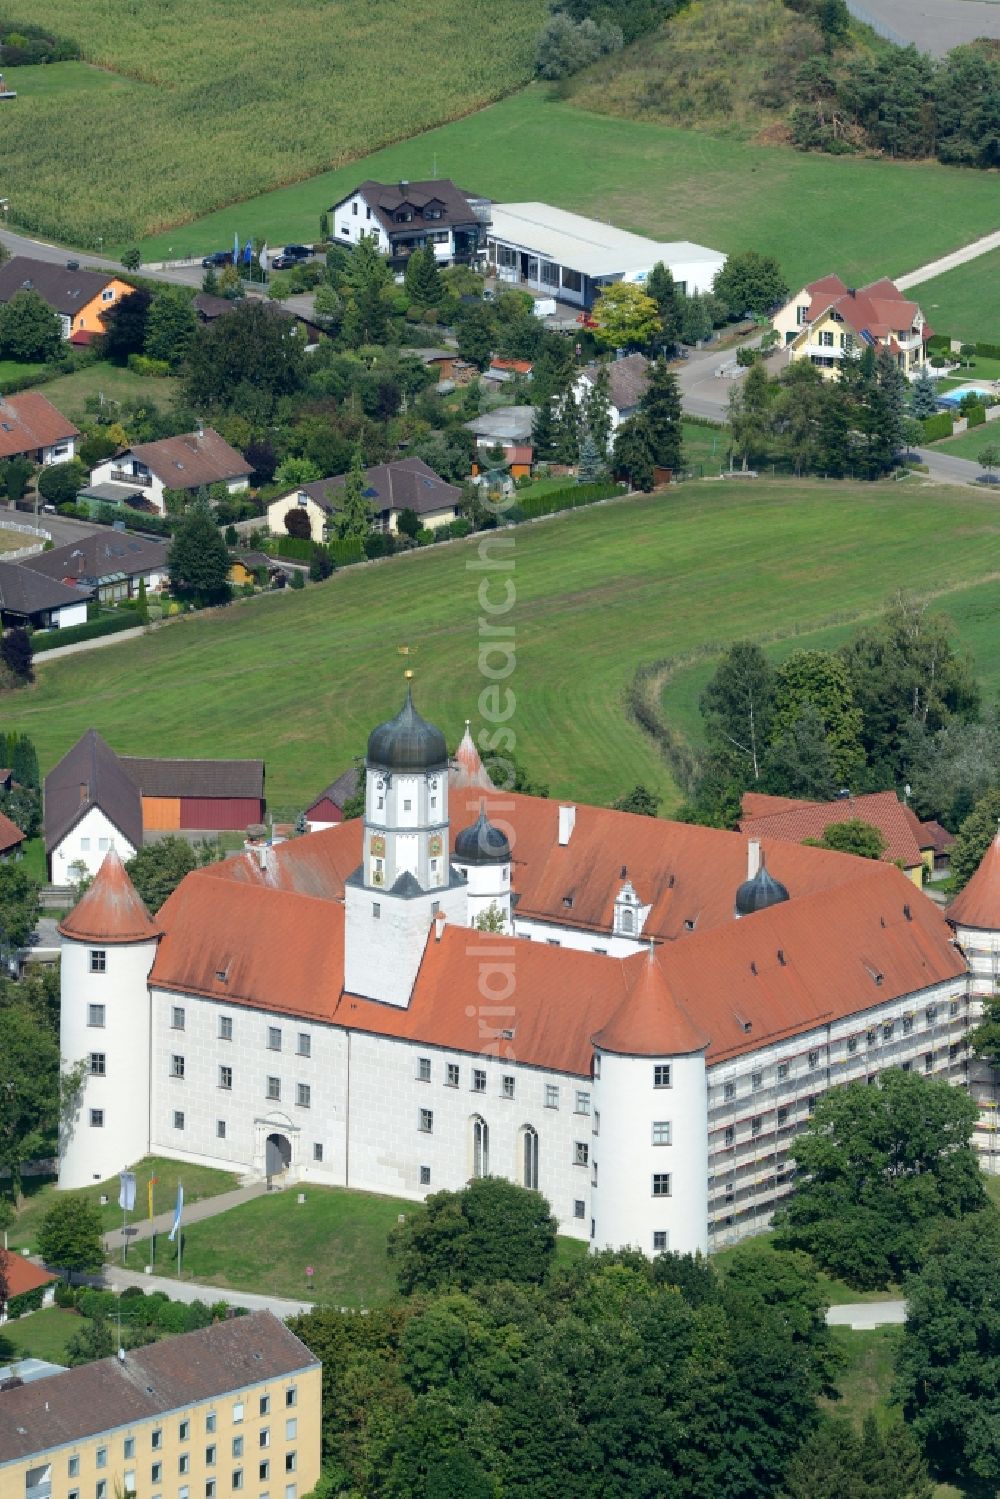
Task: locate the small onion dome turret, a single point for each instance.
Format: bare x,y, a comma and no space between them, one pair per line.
407,742
482,843
759,893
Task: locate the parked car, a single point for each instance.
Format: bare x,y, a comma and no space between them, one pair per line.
72,265
297,252
284,262
218,257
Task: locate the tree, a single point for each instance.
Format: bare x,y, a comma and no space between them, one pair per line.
750,283
198,560
353,517
19,906
750,415
590,467
29,329
408,523
125,326
923,395
245,361
632,456
597,409
158,868
837,1462
171,326
320,565
60,483
738,704
660,411
662,288
297,523
878,1168
799,762
29,1091
626,316
94,1340
70,1235
641,800
210,282
132,258
820,679
974,837
15,475
564,46
948,1367
853,837
492,1230
17,654
423,278
989,457
695,319
475,334
984,1039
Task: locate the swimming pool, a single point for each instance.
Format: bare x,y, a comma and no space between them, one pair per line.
954,397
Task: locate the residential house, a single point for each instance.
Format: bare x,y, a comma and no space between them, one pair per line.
82,299
23,1278
109,563
407,484
569,257
328,808
31,427
828,322
95,800
192,461
11,840
208,309
28,598
505,427
627,382
242,1397
406,216
908,842
447,364
246,567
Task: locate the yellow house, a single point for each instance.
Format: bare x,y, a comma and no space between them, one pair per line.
828,322
389,488
234,1408
81,298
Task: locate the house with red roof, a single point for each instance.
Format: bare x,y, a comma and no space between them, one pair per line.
828,322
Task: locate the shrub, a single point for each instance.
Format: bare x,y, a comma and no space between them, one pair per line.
97,1304
933,428
66,1295
109,624
460,527
28,1301
142,364
346,551
424,537
298,524
297,579
975,415
296,548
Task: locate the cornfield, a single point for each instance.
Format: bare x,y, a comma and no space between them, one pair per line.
184,106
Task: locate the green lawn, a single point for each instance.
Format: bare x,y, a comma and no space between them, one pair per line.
816,213
12,541
837,1292
704,449
42,1334
963,303
13,369
114,382
34,859
301,677
972,442
865,1378
199,1182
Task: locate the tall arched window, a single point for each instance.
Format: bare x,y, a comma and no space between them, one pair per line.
480,1147
529,1157
628,919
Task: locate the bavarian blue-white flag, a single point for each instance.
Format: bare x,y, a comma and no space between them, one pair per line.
178,1210
236,248
126,1191
248,253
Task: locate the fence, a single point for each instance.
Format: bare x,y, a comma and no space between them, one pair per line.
41,537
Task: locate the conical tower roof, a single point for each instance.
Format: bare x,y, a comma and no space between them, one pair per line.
467,768
650,1022
978,905
111,910
407,742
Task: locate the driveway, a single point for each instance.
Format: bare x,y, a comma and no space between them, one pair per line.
59,527
861,1316
933,26
948,470
703,392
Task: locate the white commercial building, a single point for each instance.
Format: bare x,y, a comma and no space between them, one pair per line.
632,1015
564,255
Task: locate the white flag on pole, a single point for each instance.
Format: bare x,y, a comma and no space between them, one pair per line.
126,1191
262,257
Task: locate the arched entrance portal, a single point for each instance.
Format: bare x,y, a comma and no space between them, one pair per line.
277,1155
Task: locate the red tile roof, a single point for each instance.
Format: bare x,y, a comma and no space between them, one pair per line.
22,1275
192,459
650,1022
29,421
978,904
880,809
10,834
111,910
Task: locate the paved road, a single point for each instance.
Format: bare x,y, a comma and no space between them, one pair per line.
703,392
188,1290
862,1315
23,244
59,527
949,262
934,26
949,470
194,1212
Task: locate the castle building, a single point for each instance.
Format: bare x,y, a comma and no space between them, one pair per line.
633,1015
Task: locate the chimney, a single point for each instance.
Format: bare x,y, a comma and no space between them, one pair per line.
199,428
438,925
84,793
567,822
403,184
753,857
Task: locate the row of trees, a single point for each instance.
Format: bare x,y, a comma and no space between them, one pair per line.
578,32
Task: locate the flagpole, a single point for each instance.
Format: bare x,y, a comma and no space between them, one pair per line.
152,1224
180,1236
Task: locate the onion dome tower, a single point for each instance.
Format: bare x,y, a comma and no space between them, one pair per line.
482,855
760,892
108,947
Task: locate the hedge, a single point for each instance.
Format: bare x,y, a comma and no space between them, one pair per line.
938,341
113,624
975,416
935,427
28,1301
296,548
531,506
988,351
345,552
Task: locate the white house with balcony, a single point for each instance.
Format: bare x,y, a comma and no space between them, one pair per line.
828,322
192,461
405,216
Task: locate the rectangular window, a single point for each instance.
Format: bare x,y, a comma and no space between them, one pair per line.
156,1472
597,1122
813,1060
263,1470
176,1066
729,1091
782,1118
782,1071
210,1456
128,1448
98,1064
237,1412
377,905
291,1429
582,1103
291,1396
453,1075
303,1095
756,1081
659,1240
852,1045
729,1138
237,1446
98,960
85,845
661,1184
210,1421
220,1129
756,1125
274,1089
581,1153
156,1440
225,1027
953,1008
97,1118
178,1119
907,1025
661,1075
101,1491
291,1462
871,1035
931,1014
95,1016
177,1018
423,1069
928,1061
304,1045
572,280
273,1038
74,1467
887,1031
209,1488
661,1132
264,1436
237,1478
953,1051
426,1121
478,1080
579,1208
507,1085
425,1176
317,1152
101,1458
226,1078
551,1096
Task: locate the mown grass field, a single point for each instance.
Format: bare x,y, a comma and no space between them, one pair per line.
963,303
207,101
816,213
971,443
70,393
301,677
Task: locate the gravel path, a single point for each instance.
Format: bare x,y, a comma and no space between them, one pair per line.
957,257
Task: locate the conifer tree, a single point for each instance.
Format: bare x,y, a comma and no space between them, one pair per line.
590,466
423,279
923,396
661,413
354,518
598,409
